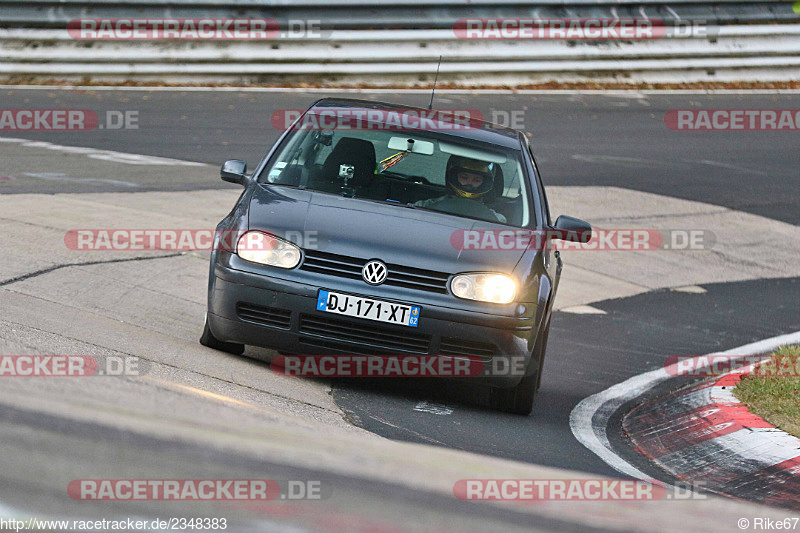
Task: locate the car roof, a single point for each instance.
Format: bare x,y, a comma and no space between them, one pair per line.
481,131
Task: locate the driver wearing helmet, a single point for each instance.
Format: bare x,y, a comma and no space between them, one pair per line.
468,181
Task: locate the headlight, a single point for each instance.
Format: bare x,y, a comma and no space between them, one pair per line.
260,247
488,287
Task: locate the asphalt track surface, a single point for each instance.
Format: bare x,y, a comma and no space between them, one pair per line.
619,141
343,498
579,140
586,354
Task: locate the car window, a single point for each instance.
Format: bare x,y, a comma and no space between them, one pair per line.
540,186
377,165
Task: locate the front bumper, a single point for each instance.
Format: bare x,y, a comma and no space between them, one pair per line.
280,314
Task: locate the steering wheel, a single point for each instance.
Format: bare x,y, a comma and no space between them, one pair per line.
465,207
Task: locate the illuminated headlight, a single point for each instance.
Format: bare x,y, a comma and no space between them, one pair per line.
266,249
488,287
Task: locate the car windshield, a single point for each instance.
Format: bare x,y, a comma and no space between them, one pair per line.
421,169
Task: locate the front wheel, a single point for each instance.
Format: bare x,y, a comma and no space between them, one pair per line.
519,400
208,339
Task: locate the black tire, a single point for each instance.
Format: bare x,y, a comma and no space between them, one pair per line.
208,339
519,400
542,347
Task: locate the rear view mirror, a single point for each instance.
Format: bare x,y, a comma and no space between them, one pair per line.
234,171
407,144
572,229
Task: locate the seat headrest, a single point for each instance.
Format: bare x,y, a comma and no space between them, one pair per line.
351,151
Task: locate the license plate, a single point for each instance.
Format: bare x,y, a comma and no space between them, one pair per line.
347,304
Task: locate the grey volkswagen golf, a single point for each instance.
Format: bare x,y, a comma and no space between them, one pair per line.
421,223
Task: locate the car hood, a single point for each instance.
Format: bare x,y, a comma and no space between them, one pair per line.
375,230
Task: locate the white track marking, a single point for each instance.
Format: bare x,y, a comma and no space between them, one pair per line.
589,419
105,155
725,395
583,310
691,289
58,176
433,408
630,162
728,166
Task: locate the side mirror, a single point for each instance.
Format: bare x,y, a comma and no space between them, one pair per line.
572,229
235,171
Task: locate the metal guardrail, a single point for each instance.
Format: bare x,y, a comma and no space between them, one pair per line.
420,14
401,42
756,52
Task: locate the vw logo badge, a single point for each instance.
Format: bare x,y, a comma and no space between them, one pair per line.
374,272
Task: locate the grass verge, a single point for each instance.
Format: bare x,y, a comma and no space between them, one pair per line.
775,398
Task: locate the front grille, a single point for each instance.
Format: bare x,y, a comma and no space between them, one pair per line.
453,346
374,340
333,264
265,316
399,276
416,278
337,347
